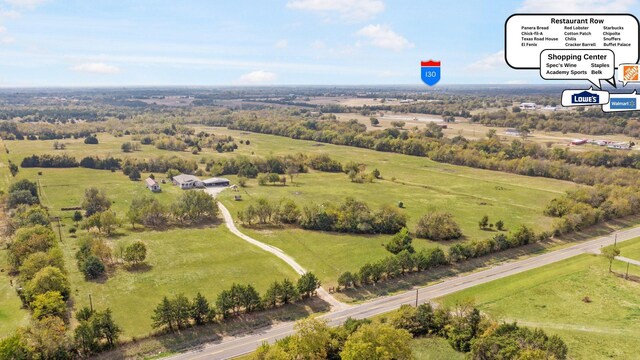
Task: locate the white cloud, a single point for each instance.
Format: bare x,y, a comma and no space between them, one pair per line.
96,68
9,14
516,82
348,10
281,44
490,62
576,6
4,38
383,37
26,4
257,77
318,45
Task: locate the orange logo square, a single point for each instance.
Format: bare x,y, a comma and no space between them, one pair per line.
630,72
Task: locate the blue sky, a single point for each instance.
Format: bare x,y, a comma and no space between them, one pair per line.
240,42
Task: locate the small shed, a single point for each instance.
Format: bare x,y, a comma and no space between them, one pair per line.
152,185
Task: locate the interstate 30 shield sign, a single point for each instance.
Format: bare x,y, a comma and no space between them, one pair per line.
430,72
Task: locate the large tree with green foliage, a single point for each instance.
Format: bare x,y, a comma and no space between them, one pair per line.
377,341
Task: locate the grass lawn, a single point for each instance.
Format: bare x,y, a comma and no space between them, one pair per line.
12,315
328,254
179,261
434,348
551,298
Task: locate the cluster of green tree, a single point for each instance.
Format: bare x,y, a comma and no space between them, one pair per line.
464,327
170,143
49,161
91,140
517,149
53,114
162,164
131,167
272,178
391,267
59,131
95,162
250,167
355,340
23,192
591,121
437,226
352,216
467,330
42,285
322,162
96,331
357,173
584,207
130,146
47,337
193,207
178,312
406,260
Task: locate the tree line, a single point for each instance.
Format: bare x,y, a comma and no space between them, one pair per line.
590,121
351,216
406,260
43,287
179,312
515,157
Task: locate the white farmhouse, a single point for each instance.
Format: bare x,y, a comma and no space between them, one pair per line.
186,181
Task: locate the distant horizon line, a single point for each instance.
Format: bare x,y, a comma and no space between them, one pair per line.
31,87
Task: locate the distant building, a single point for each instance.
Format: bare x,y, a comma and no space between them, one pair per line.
578,141
528,106
512,132
215,182
152,185
620,146
186,181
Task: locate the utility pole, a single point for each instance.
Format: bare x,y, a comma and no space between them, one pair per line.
615,240
627,276
59,229
417,297
90,303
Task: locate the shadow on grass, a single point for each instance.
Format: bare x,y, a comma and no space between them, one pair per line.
197,337
138,268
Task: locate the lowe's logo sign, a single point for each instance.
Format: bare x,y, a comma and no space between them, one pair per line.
585,97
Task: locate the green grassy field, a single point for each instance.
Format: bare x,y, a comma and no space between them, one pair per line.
180,261
551,298
12,315
421,185
434,348
185,261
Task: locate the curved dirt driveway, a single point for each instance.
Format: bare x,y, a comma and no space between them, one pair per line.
228,220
